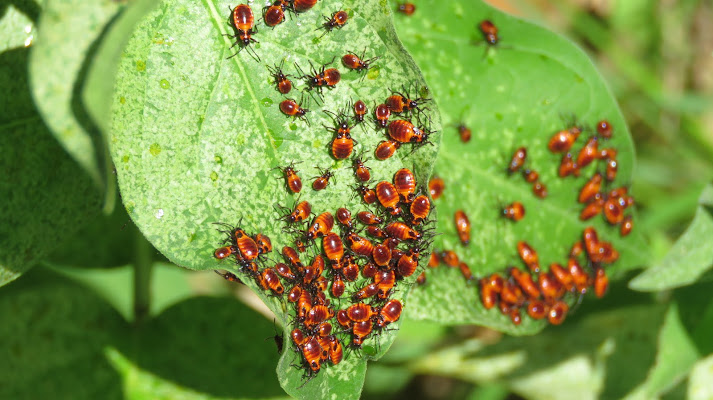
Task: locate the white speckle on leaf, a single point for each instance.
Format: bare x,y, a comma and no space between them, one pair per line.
159,213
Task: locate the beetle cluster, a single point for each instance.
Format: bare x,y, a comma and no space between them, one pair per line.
544,296
242,20
518,163
404,130
337,276
369,266
548,293
247,252
594,195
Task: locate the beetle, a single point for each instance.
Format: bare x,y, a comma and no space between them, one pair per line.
462,226
321,181
337,21
282,81
357,63
243,20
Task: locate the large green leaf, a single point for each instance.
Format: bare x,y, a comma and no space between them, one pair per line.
237,353
59,340
52,337
676,356
105,241
45,195
689,258
65,40
518,93
140,384
196,137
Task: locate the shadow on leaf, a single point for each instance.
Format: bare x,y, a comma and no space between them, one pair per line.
215,346
45,196
56,336
52,340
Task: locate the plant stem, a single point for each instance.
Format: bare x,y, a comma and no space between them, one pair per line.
111,184
142,278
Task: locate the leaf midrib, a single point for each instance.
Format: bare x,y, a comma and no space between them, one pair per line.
241,69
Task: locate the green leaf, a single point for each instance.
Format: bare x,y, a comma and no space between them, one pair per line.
196,137
699,383
105,241
98,88
99,83
518,93
143,385
59,340
46,197
16,24
67,34
676,355
601,355
224,348
689,258
489,392
52,339
695,308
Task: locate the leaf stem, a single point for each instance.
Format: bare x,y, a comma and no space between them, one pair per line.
142,278
110,192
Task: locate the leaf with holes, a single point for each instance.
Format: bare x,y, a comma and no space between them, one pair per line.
198,134
519,92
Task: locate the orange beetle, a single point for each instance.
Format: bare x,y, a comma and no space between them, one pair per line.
590,189
558,312
462,226
524,280
528,256
436,187
563,140
601,282
514,211
537,309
